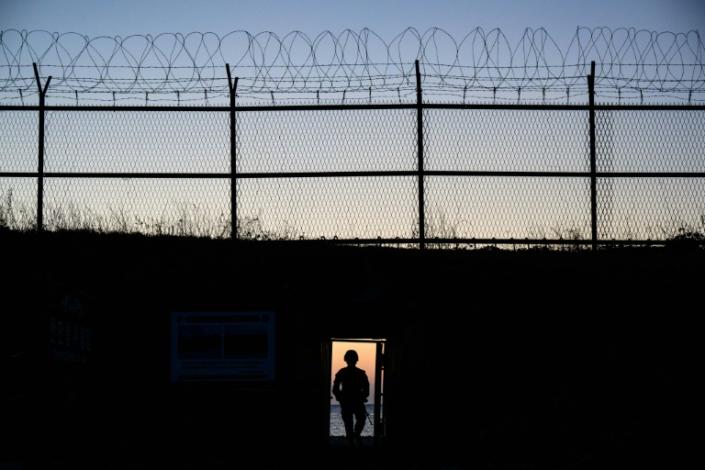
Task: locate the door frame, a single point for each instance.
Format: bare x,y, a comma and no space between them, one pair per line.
378,428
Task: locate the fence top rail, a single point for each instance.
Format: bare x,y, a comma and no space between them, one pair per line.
343,107
349,174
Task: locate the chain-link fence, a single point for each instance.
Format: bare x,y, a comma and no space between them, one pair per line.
420,173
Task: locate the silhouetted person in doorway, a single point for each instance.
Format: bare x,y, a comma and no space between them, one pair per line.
351,388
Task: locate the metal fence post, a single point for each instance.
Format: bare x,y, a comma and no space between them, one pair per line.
593,164
232,89
42,91
419,143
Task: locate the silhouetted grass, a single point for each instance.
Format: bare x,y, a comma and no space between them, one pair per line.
14,216
190,220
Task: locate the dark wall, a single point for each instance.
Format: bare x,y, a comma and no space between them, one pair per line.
495,357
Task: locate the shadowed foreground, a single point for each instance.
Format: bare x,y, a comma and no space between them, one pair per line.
497,359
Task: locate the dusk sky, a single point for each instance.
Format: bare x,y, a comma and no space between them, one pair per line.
561,17
386,19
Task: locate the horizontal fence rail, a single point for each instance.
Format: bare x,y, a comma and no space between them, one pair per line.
373,106
420,174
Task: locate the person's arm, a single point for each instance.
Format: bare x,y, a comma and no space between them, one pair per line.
365,386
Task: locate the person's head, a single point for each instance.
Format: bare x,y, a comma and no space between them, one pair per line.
351,357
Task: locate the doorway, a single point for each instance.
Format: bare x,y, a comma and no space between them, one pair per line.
371,354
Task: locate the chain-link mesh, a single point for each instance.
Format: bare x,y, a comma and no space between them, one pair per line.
651,208
18,141
506,140
501,140
138,142
359,207
650,142
18,203
332,140
142,141
152,206
18,153
275,142
507,207
650,166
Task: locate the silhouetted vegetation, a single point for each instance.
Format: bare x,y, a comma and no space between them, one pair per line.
192,221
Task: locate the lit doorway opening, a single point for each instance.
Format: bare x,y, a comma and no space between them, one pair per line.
371,359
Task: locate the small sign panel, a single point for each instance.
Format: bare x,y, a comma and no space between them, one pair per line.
223,346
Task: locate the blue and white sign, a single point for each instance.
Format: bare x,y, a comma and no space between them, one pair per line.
222,346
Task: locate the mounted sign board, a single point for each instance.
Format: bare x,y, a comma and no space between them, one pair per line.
222,346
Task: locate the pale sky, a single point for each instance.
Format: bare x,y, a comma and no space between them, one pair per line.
122,18
561,17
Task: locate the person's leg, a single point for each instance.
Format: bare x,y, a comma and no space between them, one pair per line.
360,419
346,413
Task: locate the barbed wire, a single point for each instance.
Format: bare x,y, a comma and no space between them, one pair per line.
190,67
